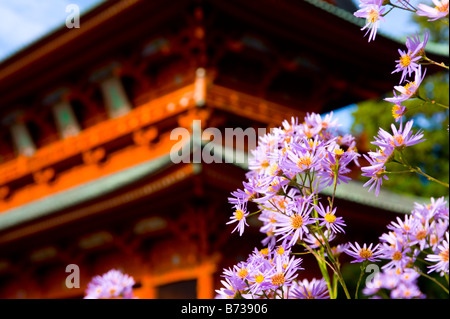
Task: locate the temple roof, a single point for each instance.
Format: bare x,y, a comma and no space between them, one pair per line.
281,49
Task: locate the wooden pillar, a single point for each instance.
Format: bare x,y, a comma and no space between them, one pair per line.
205,281
115,97
65,119
22,140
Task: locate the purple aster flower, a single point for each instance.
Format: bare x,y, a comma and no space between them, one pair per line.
294,224
409,90
376,171
407,63
373,12
300,158
329,219
404,291
260,280
321,124
363,253
412,43
400,138
437,209
398,111
111,285
439,11
232,288
335,163
240,214
314,289
440,259
420,234
315,240
339,249
284,271
396,254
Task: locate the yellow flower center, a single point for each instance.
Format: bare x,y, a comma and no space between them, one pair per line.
278,279
242,273
443,7
272,219
397,255
380,173
264,251
421,234
265,164
239,214
280,250
296,221
330,218
395,111
409,86
405,60
365,253
274,169
399,139
373,16
259,278
282,203
304,161
444,255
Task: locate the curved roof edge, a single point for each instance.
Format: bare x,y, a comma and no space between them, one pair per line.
80,193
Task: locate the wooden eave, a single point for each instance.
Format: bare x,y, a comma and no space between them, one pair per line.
113,27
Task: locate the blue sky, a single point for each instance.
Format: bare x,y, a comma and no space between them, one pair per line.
24,21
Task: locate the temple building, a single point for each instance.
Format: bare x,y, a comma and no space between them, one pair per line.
86,116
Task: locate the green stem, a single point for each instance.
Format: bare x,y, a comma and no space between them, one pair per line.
403,8
430,178
323,268
363,268
433,279
335,183
442,65
418,170
335,263
427,100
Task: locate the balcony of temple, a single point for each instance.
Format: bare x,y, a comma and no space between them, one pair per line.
76,138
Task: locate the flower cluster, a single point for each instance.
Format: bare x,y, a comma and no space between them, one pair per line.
289,167
267,272
421,235
295,162
111,285
401,284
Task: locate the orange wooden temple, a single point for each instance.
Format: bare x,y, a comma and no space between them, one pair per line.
85,122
